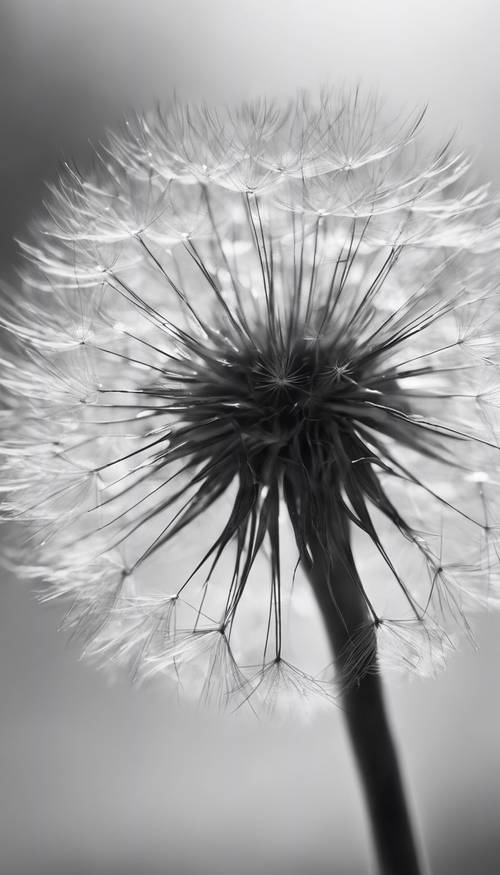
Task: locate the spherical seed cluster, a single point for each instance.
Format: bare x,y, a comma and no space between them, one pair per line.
243,330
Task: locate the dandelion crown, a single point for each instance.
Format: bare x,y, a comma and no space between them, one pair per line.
253,343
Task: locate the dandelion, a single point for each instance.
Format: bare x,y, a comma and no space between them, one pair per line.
254,358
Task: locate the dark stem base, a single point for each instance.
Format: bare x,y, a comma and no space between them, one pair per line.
344,610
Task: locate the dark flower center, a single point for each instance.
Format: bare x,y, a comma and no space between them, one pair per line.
297,415
286,402
291,392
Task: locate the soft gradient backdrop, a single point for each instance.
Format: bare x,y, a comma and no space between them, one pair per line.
98,778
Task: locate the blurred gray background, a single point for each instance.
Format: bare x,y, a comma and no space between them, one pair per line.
99,778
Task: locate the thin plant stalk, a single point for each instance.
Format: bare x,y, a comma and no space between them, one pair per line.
364,710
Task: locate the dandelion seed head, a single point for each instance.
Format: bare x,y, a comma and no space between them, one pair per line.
242,331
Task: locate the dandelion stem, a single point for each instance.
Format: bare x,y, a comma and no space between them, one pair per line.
365,712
